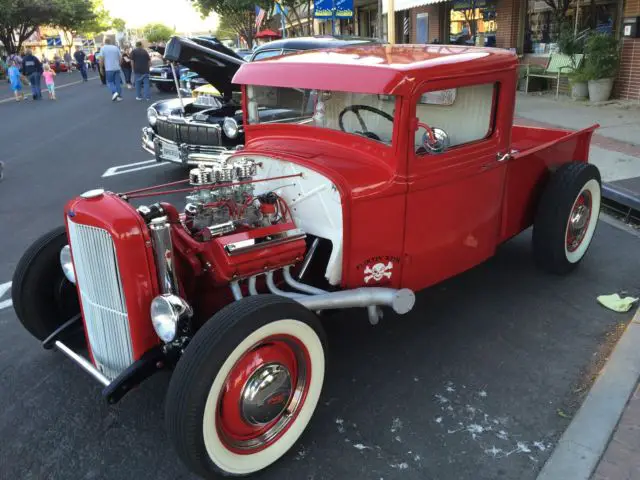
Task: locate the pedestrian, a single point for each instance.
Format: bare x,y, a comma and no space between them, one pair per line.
125,65
15,78
92,61
110,62
48,75
80,59
32,69
140,62
98,61
67,61
56,62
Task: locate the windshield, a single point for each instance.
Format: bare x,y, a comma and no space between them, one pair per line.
364,114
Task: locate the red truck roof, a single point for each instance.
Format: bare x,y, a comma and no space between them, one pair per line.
383,69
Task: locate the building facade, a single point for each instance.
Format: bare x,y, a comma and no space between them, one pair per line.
526,26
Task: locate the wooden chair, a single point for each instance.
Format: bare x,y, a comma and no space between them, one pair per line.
559,65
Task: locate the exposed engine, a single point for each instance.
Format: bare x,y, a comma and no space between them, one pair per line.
216,207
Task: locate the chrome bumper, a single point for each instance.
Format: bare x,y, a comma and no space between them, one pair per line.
161,79
189,155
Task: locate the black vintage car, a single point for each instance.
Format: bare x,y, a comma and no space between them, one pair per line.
210,127
162,75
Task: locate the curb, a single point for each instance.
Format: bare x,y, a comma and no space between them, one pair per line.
622,196
583,443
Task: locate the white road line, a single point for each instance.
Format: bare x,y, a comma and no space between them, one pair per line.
11,99
4,288
132,167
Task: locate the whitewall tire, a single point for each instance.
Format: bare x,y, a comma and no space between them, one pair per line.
246,387
567,217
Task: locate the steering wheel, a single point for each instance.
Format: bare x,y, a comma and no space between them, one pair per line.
356,109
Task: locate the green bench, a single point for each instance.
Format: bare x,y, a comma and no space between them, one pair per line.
558,65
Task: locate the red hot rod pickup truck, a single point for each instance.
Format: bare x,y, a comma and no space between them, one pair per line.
390,168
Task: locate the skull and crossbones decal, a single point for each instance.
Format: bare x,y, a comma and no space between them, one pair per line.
377,272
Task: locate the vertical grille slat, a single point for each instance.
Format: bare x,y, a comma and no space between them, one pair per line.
102,297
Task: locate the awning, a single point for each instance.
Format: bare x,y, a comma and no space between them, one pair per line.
400,5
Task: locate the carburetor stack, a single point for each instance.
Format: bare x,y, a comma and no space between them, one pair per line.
223,208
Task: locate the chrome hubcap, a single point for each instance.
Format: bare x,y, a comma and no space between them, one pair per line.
579,221
266,394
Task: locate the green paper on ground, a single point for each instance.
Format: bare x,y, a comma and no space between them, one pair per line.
616,303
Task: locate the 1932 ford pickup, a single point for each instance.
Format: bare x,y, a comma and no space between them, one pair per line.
396,168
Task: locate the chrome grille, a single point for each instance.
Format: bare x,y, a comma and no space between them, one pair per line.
189,133
102,296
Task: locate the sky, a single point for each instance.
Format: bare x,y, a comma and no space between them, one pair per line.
174,13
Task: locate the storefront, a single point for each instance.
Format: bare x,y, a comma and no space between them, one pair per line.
473,22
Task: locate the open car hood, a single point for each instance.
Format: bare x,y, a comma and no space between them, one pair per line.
213,61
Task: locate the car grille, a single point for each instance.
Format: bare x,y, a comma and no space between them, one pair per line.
190,134
102,297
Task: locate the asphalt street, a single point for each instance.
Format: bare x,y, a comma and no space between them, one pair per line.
478,382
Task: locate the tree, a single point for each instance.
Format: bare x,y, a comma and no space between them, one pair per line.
118,24
157,32
75,17
19,19
238,15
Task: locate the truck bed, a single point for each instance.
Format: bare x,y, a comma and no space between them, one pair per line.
535,152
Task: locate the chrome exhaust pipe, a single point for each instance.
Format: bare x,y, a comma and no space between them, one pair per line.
271,285
293,283
401,301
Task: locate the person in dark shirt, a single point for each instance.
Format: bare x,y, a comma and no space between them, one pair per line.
141,61
80,59
125,65
32,69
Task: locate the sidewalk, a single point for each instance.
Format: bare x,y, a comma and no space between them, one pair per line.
615,147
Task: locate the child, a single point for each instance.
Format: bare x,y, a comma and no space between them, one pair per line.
48,75
16,81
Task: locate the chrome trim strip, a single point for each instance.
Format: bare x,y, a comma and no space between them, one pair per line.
248,245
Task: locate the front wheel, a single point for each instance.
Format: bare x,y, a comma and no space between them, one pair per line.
246,387
567,217
42,296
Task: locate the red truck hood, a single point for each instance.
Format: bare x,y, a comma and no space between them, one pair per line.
360,168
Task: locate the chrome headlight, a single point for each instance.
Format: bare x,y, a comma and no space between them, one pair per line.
152,116
166,313
67,264
230,127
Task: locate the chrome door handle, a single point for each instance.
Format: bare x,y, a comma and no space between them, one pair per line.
503,157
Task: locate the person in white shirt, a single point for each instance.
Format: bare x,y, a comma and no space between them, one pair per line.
110,61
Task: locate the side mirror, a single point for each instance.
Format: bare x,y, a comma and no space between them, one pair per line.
435,140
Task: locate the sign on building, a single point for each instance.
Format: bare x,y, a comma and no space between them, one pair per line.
333,8
54,41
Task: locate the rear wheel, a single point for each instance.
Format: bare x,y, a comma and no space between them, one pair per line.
567,217
42,296
246,387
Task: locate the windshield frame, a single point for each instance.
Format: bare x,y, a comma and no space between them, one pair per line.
279,124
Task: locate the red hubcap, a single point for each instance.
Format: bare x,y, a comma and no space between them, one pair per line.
579,221
263,394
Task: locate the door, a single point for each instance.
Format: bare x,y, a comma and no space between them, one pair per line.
455,183
422,28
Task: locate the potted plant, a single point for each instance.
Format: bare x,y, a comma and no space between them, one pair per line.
578,82
601,65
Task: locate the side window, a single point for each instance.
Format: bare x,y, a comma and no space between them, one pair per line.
449,118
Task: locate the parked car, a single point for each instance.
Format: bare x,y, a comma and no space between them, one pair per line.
388,170
245,53
210,128
161,75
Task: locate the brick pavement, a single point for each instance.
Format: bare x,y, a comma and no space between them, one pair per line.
621,460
